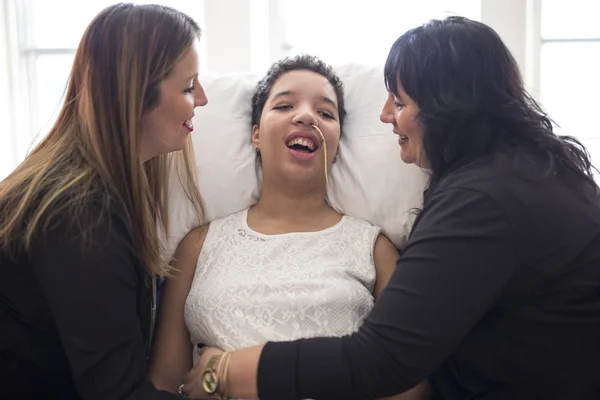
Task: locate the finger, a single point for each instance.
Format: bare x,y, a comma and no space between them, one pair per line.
188,388
181,390
195,391
188,378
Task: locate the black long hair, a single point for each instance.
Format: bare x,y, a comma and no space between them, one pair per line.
472,102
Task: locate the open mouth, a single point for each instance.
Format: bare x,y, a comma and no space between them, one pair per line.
304,145
188,124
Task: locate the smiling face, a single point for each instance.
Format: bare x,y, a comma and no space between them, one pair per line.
166,127
290,148
403,113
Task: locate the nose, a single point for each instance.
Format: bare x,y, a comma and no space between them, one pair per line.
304,115
200,99
387,112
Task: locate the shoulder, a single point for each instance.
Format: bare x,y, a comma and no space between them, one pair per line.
360,232
493,185
86,247
192,242
460,216
459,202
384,249
523,185
194,239
360,224
504,173
97,222
189,248
480,175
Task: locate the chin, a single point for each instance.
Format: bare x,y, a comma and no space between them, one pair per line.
408,159
300,176
176,146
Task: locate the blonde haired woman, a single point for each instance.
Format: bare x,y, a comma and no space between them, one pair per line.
79,248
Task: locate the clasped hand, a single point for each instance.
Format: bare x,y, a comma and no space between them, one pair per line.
192,381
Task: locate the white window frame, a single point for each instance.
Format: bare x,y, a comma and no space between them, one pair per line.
249,29
23,112
16,120
19,106
537,4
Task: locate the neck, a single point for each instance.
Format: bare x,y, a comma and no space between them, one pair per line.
292,203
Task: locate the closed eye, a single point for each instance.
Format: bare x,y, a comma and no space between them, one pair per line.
190,89
326,114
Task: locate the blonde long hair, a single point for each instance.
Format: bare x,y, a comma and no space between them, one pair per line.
90,160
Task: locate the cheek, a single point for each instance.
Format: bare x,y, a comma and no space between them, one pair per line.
333,145
332,149
271,128
190,103
183,108
417,136
408,124
148,124
332,136
177,110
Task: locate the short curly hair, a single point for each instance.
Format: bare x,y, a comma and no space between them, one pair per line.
299,62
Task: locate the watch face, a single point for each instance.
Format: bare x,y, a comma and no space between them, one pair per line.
209,382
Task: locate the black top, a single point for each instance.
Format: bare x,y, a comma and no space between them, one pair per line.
496,296
75,317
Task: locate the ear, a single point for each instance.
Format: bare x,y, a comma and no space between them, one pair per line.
255,141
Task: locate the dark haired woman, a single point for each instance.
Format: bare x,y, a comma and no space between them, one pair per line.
497,293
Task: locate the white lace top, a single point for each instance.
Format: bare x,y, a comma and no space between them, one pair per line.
250,288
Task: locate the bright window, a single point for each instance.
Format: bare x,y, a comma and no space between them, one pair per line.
342,31
48,33
570,69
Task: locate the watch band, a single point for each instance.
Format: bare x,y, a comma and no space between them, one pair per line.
210,380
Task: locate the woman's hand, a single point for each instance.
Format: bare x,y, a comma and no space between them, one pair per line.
192,381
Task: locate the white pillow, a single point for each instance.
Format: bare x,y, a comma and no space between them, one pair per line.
368,181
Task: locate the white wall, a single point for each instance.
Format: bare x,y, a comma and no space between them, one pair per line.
8,148
243,35
238,36
516,21
508,18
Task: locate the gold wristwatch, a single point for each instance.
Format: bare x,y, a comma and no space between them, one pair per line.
210,380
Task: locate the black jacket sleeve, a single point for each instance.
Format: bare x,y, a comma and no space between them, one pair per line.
455,266
91,285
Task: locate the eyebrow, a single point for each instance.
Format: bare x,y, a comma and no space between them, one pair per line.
400,96
292,93
192,77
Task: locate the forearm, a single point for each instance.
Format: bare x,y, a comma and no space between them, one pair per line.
172,351
242,376
167,370
242,379
353,367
